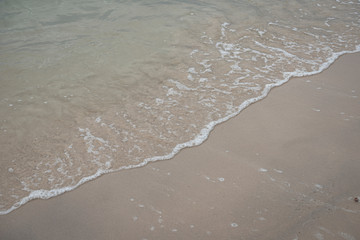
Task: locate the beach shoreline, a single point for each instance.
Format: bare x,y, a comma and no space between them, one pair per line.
285,168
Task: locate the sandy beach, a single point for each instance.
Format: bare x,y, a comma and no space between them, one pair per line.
287,167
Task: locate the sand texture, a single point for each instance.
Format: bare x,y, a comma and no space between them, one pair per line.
287,167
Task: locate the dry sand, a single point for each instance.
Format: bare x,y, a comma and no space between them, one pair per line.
287,167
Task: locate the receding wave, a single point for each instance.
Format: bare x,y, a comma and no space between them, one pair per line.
95,88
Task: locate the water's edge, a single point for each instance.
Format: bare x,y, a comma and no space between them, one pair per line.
199,139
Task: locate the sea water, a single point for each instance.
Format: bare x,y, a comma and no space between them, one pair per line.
91,87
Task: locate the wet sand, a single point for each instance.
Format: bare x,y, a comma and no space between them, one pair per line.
286,168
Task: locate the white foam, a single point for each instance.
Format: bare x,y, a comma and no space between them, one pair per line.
200,138
190,77
234,225
319,236
98,119
346,236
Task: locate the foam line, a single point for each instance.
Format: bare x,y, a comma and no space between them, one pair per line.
200,138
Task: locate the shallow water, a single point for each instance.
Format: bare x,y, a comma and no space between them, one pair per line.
93,87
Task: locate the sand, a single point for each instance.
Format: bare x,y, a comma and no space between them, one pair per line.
288,167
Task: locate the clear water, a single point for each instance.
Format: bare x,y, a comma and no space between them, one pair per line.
91,87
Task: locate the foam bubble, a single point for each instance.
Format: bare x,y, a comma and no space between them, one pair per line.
234,225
